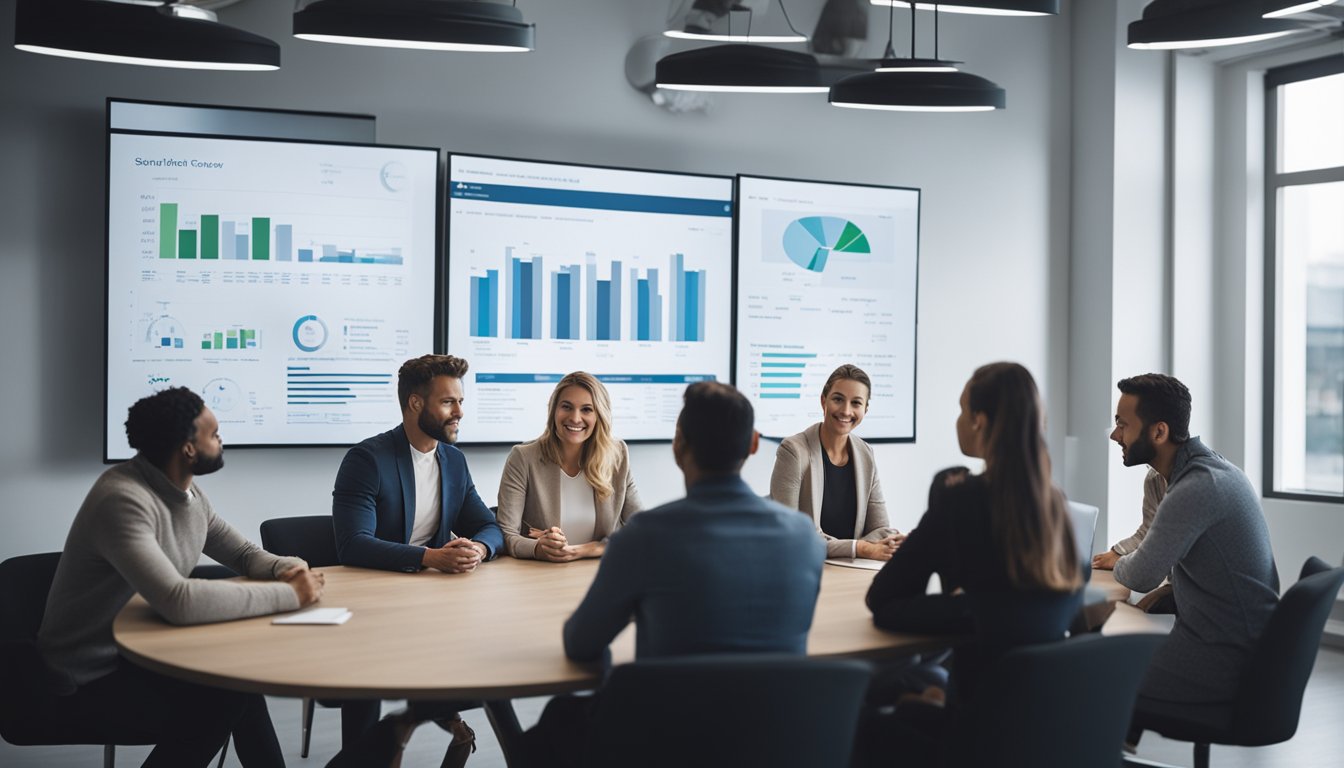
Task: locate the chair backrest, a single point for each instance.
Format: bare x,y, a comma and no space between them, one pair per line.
728,710
1063,704
24,584
311,538
1269,698
1084,519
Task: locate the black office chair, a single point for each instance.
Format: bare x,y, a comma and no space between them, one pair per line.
728,710
26,717
1268,700
313,539
1053,705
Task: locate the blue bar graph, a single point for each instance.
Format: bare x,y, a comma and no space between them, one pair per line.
565,303
523,294
646,308
305,254
485,304
604,302
687,305
284,242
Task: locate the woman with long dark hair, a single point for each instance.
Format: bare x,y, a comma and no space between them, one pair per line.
1000,541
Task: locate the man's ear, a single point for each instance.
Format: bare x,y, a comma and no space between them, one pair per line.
755,443
415,403
1160,433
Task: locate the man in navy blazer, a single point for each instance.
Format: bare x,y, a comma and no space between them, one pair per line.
722,570
404,500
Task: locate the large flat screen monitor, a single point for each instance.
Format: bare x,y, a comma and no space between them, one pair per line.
827,275
556,268
283,281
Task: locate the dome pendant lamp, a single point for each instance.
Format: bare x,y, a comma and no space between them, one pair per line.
917,85
145,33
741,68
695,29
1194,24
1273,9
436,25
983,7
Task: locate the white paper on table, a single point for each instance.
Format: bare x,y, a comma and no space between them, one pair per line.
856,562
316,616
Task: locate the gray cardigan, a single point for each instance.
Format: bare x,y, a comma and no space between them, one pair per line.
1210,535
137,532
529,497
798,481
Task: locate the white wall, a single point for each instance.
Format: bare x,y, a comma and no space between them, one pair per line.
993,260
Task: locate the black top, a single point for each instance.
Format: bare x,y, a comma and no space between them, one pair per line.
955,540
839,498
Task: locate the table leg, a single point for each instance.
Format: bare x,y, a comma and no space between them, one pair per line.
507,730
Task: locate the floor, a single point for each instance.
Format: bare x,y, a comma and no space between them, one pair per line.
1319,741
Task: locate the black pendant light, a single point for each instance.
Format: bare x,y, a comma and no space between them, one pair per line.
915,84
1177,24
984,7
1273,9
440,25
738,68
156,35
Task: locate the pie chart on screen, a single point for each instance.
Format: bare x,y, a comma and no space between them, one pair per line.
809,241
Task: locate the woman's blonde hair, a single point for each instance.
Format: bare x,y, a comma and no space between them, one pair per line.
598,457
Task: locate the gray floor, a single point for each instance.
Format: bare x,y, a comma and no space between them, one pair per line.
1319,740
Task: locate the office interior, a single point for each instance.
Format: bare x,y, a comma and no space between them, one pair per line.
1108,222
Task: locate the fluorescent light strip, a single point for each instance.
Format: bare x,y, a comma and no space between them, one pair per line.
1299,8
745,88
173,63
1214,43
916,69
958,9
684,35
425,45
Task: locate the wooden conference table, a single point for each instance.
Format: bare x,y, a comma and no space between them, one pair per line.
493,635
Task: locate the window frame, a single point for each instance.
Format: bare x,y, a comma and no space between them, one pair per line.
1274,182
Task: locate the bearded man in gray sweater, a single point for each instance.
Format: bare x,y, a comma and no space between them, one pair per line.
142,528
1209,535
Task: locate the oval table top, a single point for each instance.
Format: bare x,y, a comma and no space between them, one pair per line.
491,634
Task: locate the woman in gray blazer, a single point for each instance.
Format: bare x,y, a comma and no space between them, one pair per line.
829,473
564,493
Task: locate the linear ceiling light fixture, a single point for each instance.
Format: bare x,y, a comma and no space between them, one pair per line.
984,7
696,29
149,33
1275,8
739,68
925,85
1181,24
437,25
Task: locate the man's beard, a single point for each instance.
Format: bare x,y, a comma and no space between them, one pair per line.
204,465
1142,451
435,429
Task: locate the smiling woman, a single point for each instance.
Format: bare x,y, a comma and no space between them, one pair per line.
828,472
563,494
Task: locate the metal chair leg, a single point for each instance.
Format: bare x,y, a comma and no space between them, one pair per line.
307,727
224,752
109,756
1201,755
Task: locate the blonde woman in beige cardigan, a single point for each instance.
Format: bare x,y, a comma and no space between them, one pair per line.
829,473
564,493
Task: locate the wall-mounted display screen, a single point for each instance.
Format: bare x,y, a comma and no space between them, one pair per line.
827,274
283,281
557,268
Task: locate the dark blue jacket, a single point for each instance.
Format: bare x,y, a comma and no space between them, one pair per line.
373,504
721,570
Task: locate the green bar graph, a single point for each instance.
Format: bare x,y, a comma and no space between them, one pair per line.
209,237
261,238
219,340
167,230
186,244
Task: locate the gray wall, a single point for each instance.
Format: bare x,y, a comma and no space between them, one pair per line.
994,248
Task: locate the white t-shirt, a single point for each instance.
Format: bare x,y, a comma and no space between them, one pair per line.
578,512
427,481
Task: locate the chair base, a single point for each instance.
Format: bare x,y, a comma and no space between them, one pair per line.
1201,760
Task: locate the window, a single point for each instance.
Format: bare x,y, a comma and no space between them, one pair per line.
1305,269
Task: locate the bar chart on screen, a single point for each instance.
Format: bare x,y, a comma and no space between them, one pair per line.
556,268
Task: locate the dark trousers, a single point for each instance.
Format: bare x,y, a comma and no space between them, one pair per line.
558,738
357,717
188,723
